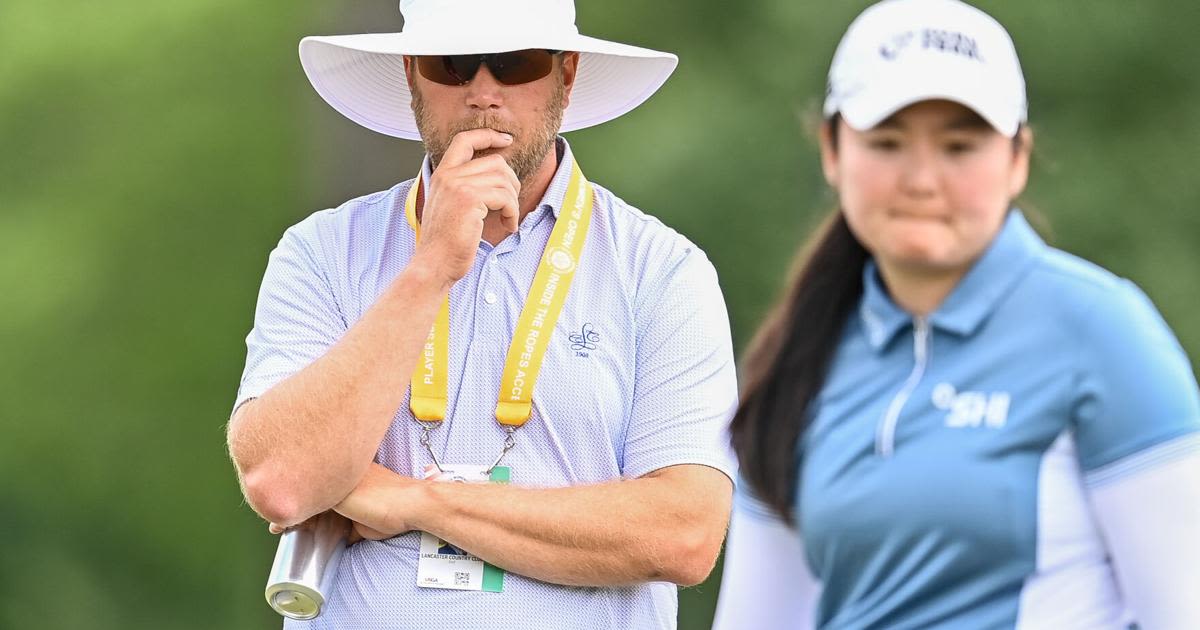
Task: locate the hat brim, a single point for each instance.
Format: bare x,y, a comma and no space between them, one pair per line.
866,109
362,76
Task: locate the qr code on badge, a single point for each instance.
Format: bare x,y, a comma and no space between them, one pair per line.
462,578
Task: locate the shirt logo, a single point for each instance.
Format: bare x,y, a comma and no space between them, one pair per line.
972,409
586,339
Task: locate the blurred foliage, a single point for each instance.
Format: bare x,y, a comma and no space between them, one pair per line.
153,153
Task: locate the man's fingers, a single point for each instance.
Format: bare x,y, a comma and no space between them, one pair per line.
275,529
510,215
502,199
488,164
465,143
485,180
493,171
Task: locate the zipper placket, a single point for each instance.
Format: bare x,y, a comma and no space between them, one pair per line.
885,433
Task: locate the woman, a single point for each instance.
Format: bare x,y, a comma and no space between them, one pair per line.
947,423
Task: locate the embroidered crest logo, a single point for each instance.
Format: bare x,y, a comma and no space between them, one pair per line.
586,339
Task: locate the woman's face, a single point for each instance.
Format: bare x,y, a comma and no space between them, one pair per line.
927,189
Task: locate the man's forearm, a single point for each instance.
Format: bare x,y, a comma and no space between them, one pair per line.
304,444
666,526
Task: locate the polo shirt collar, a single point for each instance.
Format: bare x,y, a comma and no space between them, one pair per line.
975,297
882,319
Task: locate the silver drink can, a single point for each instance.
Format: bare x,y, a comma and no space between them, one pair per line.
306,564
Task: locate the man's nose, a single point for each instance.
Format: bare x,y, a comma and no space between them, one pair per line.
483,91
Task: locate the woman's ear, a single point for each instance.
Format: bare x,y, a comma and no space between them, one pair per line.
829,165
1023,150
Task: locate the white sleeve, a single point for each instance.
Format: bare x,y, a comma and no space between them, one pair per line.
767,583
1148,508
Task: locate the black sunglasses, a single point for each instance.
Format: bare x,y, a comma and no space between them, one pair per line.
509,68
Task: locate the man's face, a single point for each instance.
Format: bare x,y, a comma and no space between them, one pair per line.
530,112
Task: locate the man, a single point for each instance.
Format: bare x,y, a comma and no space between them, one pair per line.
363,388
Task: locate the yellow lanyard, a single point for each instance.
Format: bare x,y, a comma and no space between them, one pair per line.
534,328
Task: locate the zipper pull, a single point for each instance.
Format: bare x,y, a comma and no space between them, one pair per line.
921,339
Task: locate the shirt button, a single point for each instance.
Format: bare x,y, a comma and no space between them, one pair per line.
489,297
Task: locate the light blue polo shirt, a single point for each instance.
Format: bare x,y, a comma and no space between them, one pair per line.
639,375
944,473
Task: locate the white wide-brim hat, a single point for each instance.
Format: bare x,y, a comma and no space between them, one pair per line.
900,52
362,76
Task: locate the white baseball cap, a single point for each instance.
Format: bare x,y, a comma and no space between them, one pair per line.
362,76
900,52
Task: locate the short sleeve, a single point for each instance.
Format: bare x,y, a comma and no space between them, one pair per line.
685,387
297,318
1137,389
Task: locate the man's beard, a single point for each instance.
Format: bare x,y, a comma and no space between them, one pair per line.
529,147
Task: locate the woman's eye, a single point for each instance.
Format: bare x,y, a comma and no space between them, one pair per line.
958,148
884,144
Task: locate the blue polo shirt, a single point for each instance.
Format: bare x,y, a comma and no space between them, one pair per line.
945,471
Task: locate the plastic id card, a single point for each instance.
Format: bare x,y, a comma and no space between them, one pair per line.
441,564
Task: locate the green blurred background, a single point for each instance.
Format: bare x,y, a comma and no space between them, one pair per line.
151,154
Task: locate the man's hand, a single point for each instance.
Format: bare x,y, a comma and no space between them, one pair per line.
379,504
462,191
373,507
358,531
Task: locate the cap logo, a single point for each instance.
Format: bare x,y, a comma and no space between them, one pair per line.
891,48
951,42
932,39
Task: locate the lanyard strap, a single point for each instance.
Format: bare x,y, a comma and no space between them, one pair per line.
547,295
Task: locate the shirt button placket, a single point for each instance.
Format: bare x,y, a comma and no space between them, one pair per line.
489,295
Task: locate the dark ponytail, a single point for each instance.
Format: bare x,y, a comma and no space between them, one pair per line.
786,364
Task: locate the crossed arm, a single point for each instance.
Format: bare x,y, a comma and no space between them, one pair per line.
667,525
